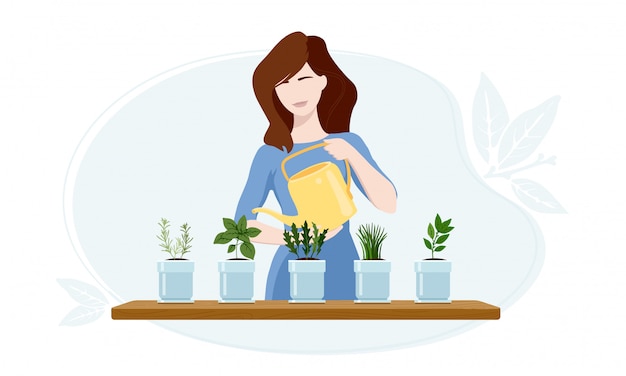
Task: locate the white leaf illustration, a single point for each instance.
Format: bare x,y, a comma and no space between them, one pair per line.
84,293
489,117
524,134
536,197
82,315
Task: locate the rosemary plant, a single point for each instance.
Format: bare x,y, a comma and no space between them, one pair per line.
178,247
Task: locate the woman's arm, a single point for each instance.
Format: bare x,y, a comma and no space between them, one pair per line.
268,235
376,186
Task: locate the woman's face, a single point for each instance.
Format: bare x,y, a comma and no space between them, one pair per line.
302,92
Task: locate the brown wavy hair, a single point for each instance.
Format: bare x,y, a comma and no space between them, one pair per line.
282,63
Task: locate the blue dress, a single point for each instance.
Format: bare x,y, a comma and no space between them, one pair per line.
339,251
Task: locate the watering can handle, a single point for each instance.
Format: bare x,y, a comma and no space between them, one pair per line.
282,166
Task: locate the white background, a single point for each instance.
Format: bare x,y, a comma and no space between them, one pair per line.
63,63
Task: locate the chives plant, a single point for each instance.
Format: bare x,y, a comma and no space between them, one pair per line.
371,237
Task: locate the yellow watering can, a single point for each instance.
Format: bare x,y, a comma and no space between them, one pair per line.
319,193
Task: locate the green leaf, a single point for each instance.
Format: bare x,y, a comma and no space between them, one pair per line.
431,230
229,224
438,224
231,248
442,239
428,244
440,248
243,237
446,223
253,231
447,230
232,233
295,235
247,249
223,238
242,225
287,239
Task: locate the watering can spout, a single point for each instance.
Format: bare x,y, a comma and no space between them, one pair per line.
286,219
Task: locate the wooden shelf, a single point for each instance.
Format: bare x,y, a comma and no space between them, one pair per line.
283,310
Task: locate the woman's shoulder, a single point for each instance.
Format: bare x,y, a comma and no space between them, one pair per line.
269,151
346,135
353,138
267,156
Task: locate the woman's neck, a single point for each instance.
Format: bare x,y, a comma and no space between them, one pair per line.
307,128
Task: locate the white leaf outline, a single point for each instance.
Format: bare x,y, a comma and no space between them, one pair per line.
489,118
85,294
82,315
535,196
522,137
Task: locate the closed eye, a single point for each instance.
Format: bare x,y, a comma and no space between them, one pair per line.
287,81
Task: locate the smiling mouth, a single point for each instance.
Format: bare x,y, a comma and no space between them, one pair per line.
300,104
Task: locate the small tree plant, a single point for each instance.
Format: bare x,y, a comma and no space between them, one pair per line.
240,233
311,240
438,234
178,247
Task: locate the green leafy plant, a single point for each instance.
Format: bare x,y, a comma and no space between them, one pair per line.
241,234
438,234
309,240
371,237
178,247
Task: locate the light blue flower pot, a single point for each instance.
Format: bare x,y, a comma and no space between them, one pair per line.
433,281
306,281
372,281
236,281
175,281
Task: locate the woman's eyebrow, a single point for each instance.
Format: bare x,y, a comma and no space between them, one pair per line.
302,78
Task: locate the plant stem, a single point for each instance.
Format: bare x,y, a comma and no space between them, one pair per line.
432,250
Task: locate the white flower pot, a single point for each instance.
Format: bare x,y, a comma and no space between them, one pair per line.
175,281
433,281
372,281
306,281
236,281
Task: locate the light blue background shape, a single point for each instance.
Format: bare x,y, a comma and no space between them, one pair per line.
181,145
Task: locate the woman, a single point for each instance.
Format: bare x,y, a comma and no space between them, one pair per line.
307,100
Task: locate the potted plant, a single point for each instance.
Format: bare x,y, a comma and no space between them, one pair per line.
176,272
372,271
433,274
306,273
237,273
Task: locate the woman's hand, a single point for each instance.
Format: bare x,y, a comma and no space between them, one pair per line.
340,149
331,233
